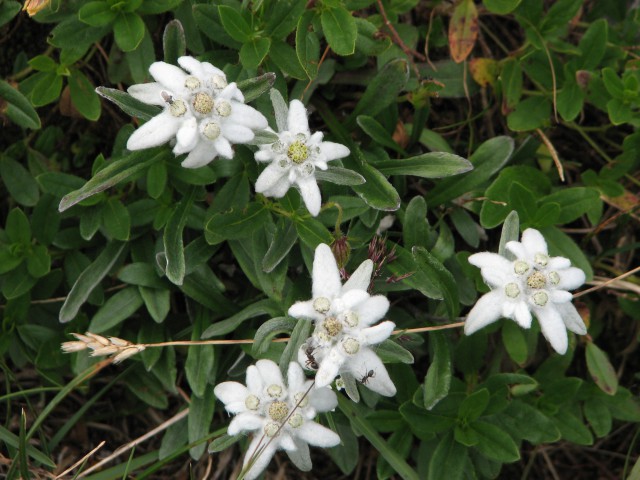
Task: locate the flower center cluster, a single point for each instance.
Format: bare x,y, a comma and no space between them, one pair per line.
177,108
278,411
332,326
537,280
298,152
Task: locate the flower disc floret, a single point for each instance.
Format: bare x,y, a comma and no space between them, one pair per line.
537,280
278,410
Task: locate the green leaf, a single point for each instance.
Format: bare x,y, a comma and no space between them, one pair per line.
511,79
174,42
12,440
340,176
598,415
128,31
283,240
406,266
252,88
45,220
8,260
18,107
340,29
172,238
377,132
601,369
90,221
390,352
572,428
97,13
156,180
443,278
593,45
17,228
501,7
515,342
285,58
449,459
234,24
427,165
361,424
312,233
114,173
158,302
377,192
200,358
128,104
299,335
222,443
307,45
253,52
574,202
570,100
116,309
529,114
116,219
141,274
613,83
236,223
262,307
83,95
438,379
383,90
268,330
494,443
21,282
19,183
488,158
561,244
207,18
619,111
39,261
89,279
474,405
47,88
8,10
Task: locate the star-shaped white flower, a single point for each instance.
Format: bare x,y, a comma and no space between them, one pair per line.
294,158
533,283
344,317
281,415
204,113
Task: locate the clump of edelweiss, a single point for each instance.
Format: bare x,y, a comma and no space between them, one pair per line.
344,318
115,347
204,113
280,414
294,157
532,283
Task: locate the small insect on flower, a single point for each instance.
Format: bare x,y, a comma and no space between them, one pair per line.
311,360
365,379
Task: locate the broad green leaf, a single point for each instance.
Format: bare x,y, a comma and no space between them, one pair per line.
427,165
141,274
561,244
114,173
340,176
286,59
158,302
172,238
283,17
390,352
235,223
299,335
128,30
494,443
572,428
574,202
18,107
128,104
90,221
252,88
174,42
312,233
415,227
19,183
116,309
377,192
83,95
405,266
501,7
359,422
8,259
443,278
8,10
200,358
39,261
515,342
253,52
202,285
140,59
570,100
17,228
235,25
222,443
207,17
307,45
488,158
511,79
283,240
116,219
89,279
529,114
47,88
377,132
438,379
21,282
448,460
598,415
340,29
156,180
383,90
593,45
268,330
97,13
45,220
601,369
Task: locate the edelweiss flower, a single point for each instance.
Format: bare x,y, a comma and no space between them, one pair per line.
280,415
533,283
204,113
294,159
343,317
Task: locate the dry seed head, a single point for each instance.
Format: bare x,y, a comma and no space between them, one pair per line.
69,347
119,342
99,338
108,350
126,353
